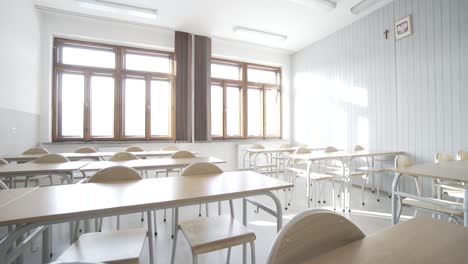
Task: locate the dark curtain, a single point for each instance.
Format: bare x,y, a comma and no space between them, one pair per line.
183,84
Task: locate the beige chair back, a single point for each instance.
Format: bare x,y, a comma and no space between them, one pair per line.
51,158
123,156
302,151
86,150
358,148
257,146
310,234
169,148
133,149
330,149
34,151
403,161
441,156
285,145
3,162
200,169
302,145
462,155
182,154
115,174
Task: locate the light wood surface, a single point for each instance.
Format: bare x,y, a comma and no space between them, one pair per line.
310,234
115,174
435,207
123,246
448,170
37,168
163,163
14,194
72,201
201,168
214,233
315,156
280,150
420,240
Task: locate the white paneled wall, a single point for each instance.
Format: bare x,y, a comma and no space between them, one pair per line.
356,87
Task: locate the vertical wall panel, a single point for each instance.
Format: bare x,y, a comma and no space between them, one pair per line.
408,94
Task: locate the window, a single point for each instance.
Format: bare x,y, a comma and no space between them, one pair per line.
106,92
245,100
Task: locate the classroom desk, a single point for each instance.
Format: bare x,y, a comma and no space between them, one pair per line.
64,170
447,170
94,156
419,240
346,159
150,164
65,203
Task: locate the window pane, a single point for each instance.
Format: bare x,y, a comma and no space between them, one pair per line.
225,71
161,108
135,94
147,63
272,112
254,116
88,57
72,99
102,106
262,76
233,110
216,110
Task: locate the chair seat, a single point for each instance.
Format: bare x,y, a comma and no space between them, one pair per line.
434,207
340,173
460,194
122,246
313,175
214,233
369,169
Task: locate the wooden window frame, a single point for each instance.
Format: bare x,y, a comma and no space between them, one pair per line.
119,73
245,85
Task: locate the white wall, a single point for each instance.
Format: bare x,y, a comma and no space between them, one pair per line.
19,75
356,87
84,28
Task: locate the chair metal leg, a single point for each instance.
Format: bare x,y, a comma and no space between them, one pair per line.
164,219
155,223
194,259
174,241
118,222
252,251
228,259
199,210
207,210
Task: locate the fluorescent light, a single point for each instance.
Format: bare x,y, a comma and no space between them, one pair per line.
363,6
120,9
259,34
328,5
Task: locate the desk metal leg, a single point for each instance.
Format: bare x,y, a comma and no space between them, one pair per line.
244,222
395,208
150,236
465,208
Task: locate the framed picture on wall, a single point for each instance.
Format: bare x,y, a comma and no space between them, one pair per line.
403,28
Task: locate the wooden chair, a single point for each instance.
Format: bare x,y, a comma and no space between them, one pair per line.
170,148
115,174
86,150
47,158
450,188
209,234
312,233
31,151
462,155
280,160
34,151
123,156
3,186
133,149
364,169
402,161
123,246
265,167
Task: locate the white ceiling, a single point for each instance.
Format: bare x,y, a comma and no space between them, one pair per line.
303,24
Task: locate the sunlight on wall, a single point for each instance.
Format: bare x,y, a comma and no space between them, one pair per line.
329,111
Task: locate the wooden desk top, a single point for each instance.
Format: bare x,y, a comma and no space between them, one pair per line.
343,154
33,168
420,240
164,163
448,170
273,150
96,155
13,194
67,202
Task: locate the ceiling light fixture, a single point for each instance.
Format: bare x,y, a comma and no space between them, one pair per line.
324,4
363,6
117,8
259,34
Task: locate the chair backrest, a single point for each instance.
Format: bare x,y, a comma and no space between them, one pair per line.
123,156
462,155
3,162
441,156
169,148
302,145
115,174
51,158
86,150
257,146
312,233
302,151
133,149
201,168
285,145
330,149
182,154
358,148
33,151
403,161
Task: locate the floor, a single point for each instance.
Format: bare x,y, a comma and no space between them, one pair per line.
371,218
